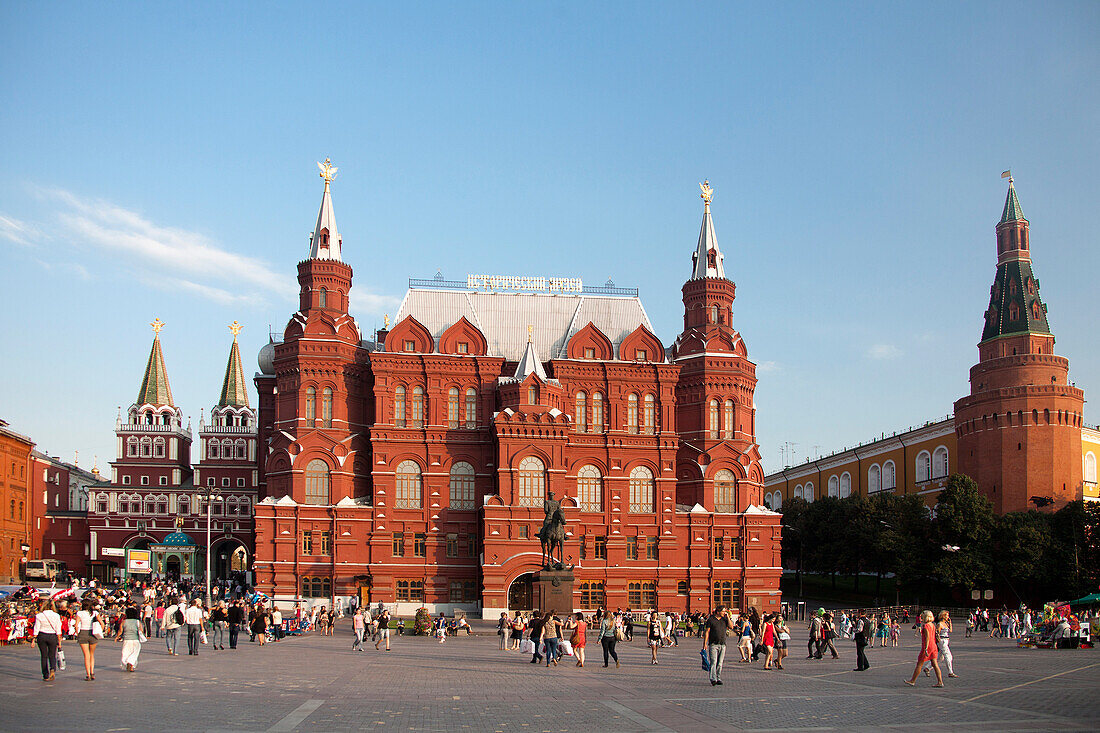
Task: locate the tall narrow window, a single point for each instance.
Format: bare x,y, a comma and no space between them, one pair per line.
714,314
874,479
418,407
532,482
599,547
471,408
631,548
452,408
462,486
649,416
713,418
725,492
532,395
888,476
589,489
597,412
727,420
924,467
399,407
317,482
632,413
408,485
322,298
845,485
581,412
307,542
641,491
1090,467
311,406
326,407
939,462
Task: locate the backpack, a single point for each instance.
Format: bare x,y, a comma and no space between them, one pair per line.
177,617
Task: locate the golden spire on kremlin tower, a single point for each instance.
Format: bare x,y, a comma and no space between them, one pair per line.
328,171
707,193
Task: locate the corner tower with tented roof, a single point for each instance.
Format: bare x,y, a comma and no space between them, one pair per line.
1019,429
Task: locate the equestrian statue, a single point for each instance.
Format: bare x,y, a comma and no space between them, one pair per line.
552,534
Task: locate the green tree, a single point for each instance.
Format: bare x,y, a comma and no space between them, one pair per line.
962,531
1021,542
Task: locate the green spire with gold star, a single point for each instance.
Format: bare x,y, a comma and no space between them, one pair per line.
154,386
234,388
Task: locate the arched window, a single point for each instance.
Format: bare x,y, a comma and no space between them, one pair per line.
924,467
777,500
597,412
641,491
874,479
240,448
632,413
1090,467
311,406
146,447
727,420
317,476
532,482
834,486
326,407
714,314
227,448
889,480
132,448
581,412
452,408
462,486
162,505
725,492
650,414
713,419
150,504
471,408
408,485
589,489
322,298
808,492
212,449
183,505
798,492
399,406
418,407
845,485
533,395
158,448
939,463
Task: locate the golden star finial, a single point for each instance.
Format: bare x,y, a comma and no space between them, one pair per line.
328,171
235,328
158,326
707,192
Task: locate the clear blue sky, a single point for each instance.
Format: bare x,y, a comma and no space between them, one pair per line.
158,161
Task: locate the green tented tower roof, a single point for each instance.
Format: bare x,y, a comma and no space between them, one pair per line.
234,387
154,386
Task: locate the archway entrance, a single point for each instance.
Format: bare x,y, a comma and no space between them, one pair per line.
520,593
228,558
172,567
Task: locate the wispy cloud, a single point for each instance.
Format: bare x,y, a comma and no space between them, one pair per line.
363,301
19,232
884,352
767,366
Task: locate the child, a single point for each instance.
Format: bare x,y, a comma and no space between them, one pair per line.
895,633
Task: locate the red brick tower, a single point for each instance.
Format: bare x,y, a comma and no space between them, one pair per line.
715,413
1019,430
227,464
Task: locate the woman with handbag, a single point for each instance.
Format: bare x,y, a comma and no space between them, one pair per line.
89,633
131,636
610,633
577,639
47,634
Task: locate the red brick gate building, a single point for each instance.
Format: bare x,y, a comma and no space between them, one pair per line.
411,469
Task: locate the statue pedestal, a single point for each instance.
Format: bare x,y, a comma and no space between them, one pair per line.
553,591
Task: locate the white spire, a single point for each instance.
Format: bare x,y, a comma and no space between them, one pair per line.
530,363
325,241
707,259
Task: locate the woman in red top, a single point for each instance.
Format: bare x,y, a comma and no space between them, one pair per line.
769,640
578,640
928,651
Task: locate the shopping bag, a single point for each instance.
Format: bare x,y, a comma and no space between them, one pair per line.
527,647
706,659
202,636
61,659
97,628
542,649
567,648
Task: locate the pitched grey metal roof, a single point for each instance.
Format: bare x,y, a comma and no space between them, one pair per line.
530,364
504,317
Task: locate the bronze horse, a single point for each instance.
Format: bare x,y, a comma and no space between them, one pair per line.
552,535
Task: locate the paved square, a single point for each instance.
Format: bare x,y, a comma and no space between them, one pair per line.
316,683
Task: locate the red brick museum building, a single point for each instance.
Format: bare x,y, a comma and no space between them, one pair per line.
411,469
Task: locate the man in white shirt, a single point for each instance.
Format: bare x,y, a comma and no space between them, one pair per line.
171,623
193,618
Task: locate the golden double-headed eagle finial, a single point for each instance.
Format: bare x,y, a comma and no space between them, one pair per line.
158,326
707,192
328,171
235,328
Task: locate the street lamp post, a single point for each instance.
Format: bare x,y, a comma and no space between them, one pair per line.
212,495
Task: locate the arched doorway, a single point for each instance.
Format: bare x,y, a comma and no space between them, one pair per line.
521,592
228,557
172,567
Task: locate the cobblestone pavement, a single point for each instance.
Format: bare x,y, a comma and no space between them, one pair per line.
316,683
